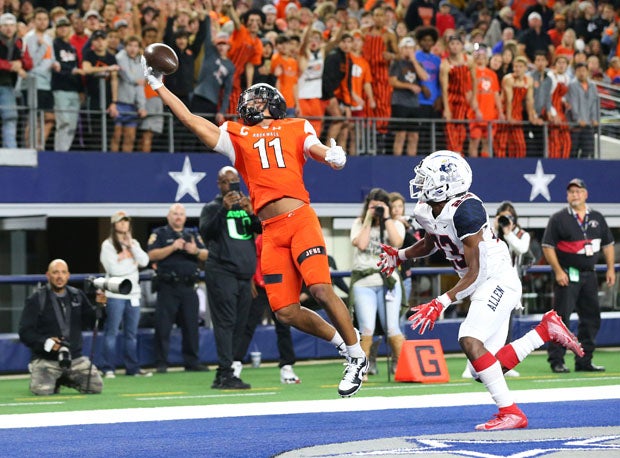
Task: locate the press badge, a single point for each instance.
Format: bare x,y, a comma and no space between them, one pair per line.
588,249
573,274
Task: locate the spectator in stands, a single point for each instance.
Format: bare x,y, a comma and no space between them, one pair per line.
543,108
153,123
285,67
430,102
13,64
406,84
380,49
228,225
67,86
583,101
509,52
336,85
540,7
260,303
311,62
457,76
613,72
39,45
535,38
92,23
177,250
444,19
270,19
502,20
246,49
587,26
51,326
559,132
518,96
121,256
114,41
597,62
420,12
361,91
557,31
508,34
132,101
79,37
489,101
214,83
567,45
372,293
99,64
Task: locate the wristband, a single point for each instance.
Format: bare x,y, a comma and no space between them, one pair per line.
445,300
402,255
49,344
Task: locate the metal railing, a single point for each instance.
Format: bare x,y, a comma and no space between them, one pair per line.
95,129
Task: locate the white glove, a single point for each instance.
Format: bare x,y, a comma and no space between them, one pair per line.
152,77
335,155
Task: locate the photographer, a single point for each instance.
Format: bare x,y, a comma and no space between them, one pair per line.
508,230
51,326
228,225
371,292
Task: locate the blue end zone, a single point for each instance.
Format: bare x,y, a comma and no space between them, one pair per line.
262,436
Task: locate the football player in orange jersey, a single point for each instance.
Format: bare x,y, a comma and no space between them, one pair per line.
269,151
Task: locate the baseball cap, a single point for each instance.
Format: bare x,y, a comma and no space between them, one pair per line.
455,37
267,9
444,3
98,34
90,13
62,22
576,182
533,16
406,41
8,19
120,23
221,38
119,216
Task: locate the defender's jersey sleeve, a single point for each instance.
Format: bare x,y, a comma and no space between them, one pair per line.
270,159
469,217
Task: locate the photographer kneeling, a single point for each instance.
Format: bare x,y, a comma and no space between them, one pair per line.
51,326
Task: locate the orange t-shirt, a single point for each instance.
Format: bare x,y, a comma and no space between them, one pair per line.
288,78
360,74
270,159
487,87
243,49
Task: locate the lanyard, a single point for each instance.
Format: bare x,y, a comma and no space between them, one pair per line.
583,225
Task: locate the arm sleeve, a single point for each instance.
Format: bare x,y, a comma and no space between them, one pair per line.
28,333
212,220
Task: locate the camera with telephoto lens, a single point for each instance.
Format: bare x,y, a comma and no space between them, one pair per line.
379,211
505,220
64,355
112,284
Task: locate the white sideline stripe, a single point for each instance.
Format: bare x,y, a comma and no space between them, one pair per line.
91,417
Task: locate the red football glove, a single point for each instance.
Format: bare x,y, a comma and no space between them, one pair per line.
388,260
425,315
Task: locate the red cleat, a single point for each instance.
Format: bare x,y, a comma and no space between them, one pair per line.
514,420
559,333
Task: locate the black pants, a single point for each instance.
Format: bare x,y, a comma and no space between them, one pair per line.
176,303
229,303
582,138
283,332
581,297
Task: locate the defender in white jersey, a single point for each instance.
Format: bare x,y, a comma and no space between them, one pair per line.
456,222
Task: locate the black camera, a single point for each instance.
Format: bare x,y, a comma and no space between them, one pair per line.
505,220
234,186
64,356
379,211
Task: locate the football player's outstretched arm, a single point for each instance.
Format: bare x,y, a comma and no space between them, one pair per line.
205,130
333,155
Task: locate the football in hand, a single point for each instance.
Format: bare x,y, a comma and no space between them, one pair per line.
161,58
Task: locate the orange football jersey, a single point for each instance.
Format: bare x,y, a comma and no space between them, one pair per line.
270,159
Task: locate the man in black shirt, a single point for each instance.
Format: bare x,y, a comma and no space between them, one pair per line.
51,326
572,243
228,225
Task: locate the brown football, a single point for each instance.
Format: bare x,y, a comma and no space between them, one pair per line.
161,58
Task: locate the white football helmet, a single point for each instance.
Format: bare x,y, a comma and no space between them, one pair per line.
440,176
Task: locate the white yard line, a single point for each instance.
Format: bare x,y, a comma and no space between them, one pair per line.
293,407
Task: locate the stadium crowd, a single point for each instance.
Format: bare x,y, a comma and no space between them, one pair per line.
334,62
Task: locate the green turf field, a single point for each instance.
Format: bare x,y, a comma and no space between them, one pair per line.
319,381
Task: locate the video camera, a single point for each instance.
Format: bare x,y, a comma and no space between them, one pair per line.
112,284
